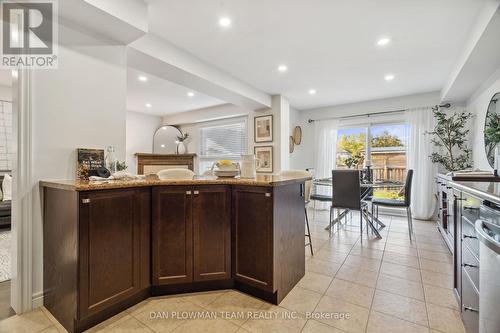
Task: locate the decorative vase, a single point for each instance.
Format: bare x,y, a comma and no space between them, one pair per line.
181,148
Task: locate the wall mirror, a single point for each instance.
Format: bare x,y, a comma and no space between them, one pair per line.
164,140
492,129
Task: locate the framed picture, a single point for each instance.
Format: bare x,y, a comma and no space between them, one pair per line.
265,155
88,161
263,129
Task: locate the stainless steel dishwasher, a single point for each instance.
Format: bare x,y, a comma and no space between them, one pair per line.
489,276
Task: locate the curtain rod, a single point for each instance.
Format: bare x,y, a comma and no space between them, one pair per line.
447,105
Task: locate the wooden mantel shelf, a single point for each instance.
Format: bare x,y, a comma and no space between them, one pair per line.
148,163
164,155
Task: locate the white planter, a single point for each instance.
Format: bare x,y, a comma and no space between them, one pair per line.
181,148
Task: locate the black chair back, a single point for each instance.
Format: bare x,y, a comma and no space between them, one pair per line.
409,179
346,192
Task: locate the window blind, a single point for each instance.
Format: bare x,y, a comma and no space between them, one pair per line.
223,140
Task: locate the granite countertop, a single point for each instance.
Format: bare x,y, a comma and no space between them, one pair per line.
484,190
260,180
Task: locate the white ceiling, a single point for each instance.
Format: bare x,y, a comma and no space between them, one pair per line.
328,45
164,96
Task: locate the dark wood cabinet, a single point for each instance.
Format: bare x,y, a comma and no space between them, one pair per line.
211,233
268,239
253,236
113,247
96,253
172,235
191,234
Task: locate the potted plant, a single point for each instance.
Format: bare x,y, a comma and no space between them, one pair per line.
450,137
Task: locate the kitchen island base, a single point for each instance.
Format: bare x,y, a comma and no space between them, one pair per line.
108,249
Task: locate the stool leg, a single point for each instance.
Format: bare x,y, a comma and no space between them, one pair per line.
361,223
308,232
408,214
330,223
314,209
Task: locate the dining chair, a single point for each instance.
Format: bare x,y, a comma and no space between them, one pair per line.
346,194
317,196
307,197
175,174
396,203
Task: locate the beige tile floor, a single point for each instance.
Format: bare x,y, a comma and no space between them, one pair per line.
367,285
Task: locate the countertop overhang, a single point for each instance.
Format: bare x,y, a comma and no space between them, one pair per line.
260,180
485,190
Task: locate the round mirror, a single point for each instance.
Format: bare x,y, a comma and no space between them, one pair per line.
492,129
165,140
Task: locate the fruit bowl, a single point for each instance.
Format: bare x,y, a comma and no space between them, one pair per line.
226,168
226,165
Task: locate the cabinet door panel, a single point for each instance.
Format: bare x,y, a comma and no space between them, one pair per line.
212,233
253,236
110,248
172,235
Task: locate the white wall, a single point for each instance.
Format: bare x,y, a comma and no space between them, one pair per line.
80,104
139,138
303,157
298,159
191,122
478,105
5,93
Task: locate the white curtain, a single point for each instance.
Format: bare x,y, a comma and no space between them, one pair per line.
325,152
419,148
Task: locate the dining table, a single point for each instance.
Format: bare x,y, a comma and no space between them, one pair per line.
367,188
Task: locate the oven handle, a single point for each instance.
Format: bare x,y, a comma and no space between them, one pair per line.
483,230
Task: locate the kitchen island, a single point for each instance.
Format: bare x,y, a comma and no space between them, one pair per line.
111,244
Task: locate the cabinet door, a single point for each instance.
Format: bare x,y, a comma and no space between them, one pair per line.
111,247
172,235
253,236
212,233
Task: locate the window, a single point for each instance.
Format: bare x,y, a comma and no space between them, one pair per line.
222,140
387,150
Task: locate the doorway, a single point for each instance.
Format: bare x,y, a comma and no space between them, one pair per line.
6,166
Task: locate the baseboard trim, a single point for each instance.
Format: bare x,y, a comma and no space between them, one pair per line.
37,300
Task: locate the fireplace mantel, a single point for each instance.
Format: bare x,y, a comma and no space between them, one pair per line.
148,163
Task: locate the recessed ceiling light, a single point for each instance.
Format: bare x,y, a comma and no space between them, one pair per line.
162,145
282,68
312,91
389,77
383,41
148,105
143,78
224,22
190,94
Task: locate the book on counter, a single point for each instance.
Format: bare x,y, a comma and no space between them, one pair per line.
88,161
